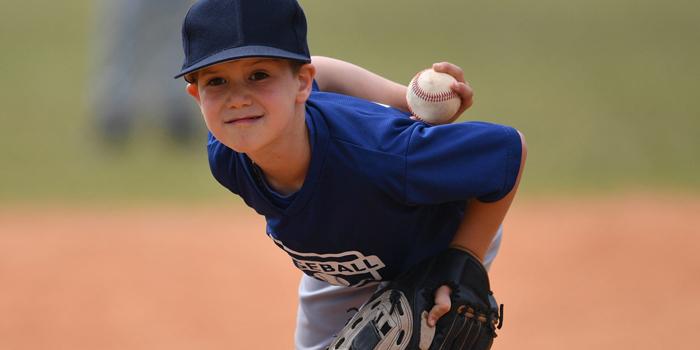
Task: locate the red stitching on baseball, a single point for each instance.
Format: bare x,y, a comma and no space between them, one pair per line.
440,96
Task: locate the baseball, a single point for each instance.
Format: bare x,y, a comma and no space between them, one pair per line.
430,97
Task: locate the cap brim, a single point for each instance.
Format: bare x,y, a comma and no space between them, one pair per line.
242,52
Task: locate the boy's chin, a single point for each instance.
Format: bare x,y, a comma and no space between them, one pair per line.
238,146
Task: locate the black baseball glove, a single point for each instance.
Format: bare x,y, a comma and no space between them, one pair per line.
395,317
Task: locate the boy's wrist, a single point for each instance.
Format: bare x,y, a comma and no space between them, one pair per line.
467,250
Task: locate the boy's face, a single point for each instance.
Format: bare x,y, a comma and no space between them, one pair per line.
252,104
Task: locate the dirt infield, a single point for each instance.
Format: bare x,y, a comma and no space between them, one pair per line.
590,274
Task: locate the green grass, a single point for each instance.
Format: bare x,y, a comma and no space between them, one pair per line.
604,91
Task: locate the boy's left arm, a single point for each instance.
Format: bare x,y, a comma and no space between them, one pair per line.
476,232
482,219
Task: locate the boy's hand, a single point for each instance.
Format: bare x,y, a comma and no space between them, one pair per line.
461,87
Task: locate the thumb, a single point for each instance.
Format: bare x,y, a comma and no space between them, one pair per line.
442,305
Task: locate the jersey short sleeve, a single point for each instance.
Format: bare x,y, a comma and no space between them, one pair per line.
461,161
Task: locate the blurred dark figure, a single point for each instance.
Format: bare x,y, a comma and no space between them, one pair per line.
137,48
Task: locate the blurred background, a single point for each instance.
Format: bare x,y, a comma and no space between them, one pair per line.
113,234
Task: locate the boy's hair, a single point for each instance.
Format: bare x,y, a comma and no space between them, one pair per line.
294,65
216,31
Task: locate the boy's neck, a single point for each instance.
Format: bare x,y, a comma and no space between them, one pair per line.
285,166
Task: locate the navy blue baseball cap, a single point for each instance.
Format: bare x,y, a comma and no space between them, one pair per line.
216,31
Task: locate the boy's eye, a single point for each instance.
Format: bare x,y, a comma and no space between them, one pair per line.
216,81
258,76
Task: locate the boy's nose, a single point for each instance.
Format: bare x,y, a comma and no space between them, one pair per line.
238,99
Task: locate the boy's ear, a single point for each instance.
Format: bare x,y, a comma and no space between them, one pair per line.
306,76
194,92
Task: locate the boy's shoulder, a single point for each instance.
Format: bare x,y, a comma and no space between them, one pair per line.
361,122
382,128
354,107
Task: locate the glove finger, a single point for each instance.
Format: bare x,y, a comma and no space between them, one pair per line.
474,331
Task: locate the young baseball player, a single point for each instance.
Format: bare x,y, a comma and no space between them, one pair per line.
354,191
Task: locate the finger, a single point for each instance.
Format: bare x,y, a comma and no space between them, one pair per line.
466,94
464,90
451,69
442,305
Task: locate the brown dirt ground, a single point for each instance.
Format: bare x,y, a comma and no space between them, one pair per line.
618,273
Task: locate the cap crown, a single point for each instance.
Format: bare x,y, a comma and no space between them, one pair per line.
220,30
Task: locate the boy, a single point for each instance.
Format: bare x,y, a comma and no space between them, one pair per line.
355,192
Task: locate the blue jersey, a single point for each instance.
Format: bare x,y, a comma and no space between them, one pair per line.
382,191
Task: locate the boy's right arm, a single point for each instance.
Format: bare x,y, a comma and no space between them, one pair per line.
333,75
345,78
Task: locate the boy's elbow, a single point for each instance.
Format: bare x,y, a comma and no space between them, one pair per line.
523,156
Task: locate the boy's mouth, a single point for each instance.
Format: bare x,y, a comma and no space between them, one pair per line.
243,119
